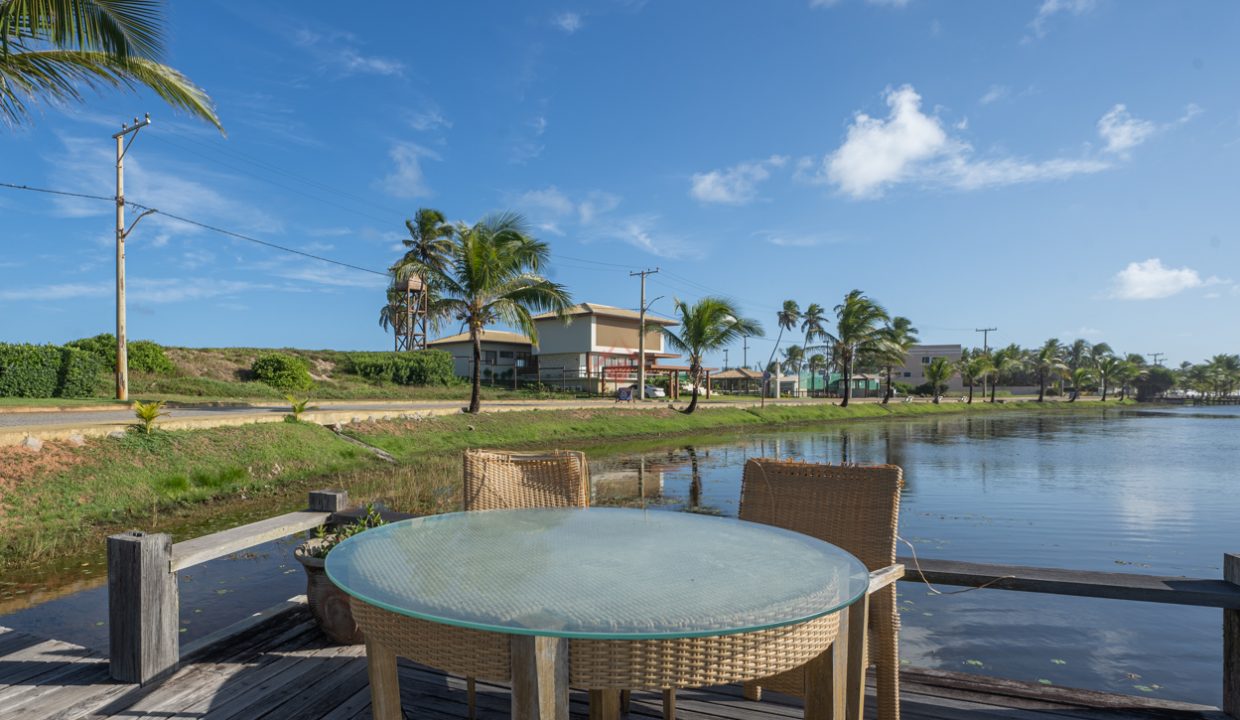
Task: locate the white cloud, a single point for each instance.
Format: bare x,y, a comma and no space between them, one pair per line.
1122,132
527,141
1050,8
793,241
736,185
569,22
549,199
994,94
339,53
596,203
911,146
641,232
880,152
407,179
140,290
1151,280
1083,331
432,118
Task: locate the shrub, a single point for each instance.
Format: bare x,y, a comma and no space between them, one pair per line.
146,356
79,373
282,372
102,346
147,414
31,371
425,367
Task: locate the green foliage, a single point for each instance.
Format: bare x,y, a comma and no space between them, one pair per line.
331,539
218,478
44,371
298,407
146,356
102,346
426,367
1157,380
282,372
147,414
79,372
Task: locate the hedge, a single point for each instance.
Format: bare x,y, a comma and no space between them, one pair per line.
144,355
425,367
282,372
44,371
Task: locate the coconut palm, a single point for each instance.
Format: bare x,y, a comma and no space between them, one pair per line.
899,337
706,326
818,364
1047,362
1081,377
1003,363
814,325
492,274
1077,354
1108,368
860,324
972,367
1129,372
50,50
794,356
938,372
787,318
429,243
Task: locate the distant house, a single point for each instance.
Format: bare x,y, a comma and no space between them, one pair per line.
596,350
919,356
738,381
502,353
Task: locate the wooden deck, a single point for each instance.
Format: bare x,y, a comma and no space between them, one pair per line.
284,668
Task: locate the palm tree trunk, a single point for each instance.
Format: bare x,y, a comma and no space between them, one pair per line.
847,381
970,391
475,396
887,395
1041,386
695,371
993,386
1104,391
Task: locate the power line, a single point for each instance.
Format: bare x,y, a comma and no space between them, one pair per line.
205,226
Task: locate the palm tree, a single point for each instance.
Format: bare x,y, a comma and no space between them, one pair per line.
1077,354
794,356
787,318
1081,377
1129,372
818,364
972,367
1108,368
429,243
1047,363
813,324
1005,361
706,326
51,49
860,327
899,337
492,274
938,373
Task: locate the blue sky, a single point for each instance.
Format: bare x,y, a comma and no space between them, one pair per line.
1053,167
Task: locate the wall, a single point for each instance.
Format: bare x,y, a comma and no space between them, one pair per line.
554,337
912,372
619,335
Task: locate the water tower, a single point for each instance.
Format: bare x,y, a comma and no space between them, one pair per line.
412,335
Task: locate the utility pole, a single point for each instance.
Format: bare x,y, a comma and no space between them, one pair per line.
725,358
1157,357
122,351
985,350
641,335
745,351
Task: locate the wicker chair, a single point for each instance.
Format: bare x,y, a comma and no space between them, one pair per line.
856,508
497,480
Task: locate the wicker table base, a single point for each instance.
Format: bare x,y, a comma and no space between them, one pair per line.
541,669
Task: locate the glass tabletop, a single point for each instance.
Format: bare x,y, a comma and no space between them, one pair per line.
600,573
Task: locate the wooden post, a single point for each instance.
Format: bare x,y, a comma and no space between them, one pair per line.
540,678
825,691
604,704
329,500
384,683
1231,642
143,642
858,629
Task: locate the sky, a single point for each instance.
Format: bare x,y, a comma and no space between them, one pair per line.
1050,168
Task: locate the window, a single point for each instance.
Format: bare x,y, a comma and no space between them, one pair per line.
505,354
908,374
521,355
488,357
925,359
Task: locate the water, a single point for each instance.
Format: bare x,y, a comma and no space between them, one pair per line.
1125,491
1132,491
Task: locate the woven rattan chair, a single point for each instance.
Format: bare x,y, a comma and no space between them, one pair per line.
497,480
858,509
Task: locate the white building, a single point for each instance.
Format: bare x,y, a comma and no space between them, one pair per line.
919,356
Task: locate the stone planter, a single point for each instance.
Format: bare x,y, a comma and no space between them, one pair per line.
328,604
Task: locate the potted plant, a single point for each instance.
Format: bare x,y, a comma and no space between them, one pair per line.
329,604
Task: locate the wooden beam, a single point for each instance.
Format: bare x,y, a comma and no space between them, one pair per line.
208,547
1231,641
540,678
883,577
328,500
143,608
1168,590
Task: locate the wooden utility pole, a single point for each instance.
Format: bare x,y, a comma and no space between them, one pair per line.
122,350
641,335
1158,357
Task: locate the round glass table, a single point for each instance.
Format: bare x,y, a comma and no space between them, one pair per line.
603,599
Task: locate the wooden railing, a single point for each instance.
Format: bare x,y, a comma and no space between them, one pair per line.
1198,592
143,599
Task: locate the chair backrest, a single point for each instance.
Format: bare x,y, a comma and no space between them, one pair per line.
856,507
497,480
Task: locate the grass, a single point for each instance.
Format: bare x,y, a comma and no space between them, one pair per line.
191,482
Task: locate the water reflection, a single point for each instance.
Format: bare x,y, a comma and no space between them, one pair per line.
1118,491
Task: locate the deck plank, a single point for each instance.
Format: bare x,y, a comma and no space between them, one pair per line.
285,669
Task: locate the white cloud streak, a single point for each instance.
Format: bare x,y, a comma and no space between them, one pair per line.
567,22
737,185
1050,8
1151,280
407,179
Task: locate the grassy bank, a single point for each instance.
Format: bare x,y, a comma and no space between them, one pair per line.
61,502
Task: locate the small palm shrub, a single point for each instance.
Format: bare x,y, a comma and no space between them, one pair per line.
297,408
147,414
